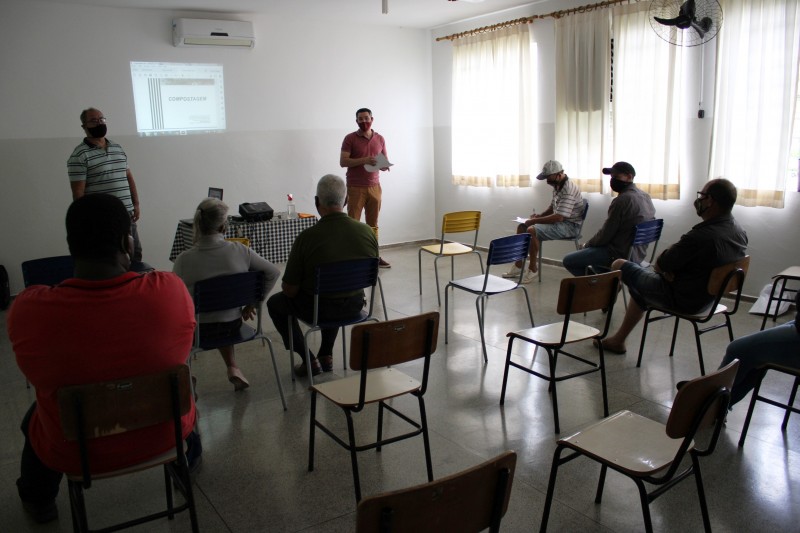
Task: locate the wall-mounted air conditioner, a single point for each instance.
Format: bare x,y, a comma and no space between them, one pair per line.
204,32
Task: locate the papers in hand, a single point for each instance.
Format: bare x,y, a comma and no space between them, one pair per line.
520,220
380,162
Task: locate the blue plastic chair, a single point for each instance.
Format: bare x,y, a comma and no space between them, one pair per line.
339,277
501,251
47,270
229,292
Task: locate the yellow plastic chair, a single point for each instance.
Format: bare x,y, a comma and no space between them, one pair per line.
452,223
243,240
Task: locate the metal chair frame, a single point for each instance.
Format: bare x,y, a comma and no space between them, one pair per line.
374,349
452,223
95,410
625,441
576,295
501,251
229,292
790,274
788,407
723,280
339,277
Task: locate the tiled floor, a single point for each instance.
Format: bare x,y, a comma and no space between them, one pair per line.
254,476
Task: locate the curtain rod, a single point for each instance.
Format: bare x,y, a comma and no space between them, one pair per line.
528,20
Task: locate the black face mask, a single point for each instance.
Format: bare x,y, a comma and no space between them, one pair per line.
699,207
619,185
97,132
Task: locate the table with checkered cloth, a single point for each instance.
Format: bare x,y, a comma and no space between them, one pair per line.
271,239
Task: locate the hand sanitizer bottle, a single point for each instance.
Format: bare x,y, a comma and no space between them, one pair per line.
291,210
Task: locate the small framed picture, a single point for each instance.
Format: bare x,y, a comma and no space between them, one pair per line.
213,192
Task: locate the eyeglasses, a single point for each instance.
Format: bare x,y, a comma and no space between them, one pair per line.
96,121
701,195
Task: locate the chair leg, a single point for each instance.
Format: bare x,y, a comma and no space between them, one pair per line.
648,522
644,336
701,493
383,300
344,349
551,487
168,491
603,383
419,269
792,396
446,314
601,483
480,307
436,276
277,376
753,400
539,259
309,373
505,372
380,425
699,346
312,430
423,422
351,435
674,337
552,357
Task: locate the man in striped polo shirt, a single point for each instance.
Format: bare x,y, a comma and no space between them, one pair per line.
99,165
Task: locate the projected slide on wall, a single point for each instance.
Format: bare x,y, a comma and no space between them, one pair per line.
178,98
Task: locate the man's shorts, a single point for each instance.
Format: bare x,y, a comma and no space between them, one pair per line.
557,231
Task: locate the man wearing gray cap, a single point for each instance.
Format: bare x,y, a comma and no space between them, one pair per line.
560,221
613,240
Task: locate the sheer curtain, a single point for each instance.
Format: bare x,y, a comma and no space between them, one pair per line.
757,66
583,78
494,112
646,129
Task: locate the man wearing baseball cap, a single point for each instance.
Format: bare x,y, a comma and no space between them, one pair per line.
560,221
613,240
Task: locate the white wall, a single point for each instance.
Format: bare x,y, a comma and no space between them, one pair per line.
773,233
290,101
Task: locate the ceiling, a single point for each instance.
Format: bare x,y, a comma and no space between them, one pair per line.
422,14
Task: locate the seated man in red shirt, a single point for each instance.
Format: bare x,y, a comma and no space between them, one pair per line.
106,323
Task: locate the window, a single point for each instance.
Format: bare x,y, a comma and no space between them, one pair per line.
756,95
494,108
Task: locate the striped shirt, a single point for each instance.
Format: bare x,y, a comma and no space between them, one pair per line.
568,202
105,170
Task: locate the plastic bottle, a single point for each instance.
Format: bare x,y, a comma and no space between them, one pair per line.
291,210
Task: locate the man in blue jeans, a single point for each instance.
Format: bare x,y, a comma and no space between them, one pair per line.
613,241
779,345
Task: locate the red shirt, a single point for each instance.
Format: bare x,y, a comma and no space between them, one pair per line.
357,145
88,331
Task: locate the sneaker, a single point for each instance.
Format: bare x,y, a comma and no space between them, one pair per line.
513,273
528,276
42,513
326,362
383,264
301,371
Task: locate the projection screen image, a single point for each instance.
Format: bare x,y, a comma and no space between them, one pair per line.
178,98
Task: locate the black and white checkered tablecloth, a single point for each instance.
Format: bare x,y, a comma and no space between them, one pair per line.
272,239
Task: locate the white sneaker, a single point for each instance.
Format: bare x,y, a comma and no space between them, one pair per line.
528,277
513,273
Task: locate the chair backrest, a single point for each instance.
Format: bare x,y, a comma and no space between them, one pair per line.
113,407
229,291
461,222
729,278
48,270
508,249
647,232
582,294
469,501
242,240
583,219
692,402
346,276
381,344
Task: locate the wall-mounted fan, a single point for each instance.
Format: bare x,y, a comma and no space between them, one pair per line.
685,22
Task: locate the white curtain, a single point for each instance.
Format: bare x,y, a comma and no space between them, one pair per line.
583,78
646,105
494,111
756,91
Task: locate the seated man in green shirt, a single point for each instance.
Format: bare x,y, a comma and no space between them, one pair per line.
336,237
